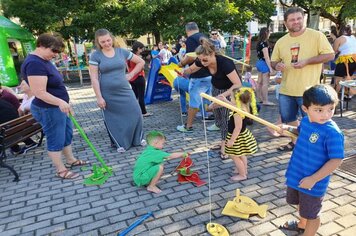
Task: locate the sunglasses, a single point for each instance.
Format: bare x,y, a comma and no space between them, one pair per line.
55,50
203,60
214,33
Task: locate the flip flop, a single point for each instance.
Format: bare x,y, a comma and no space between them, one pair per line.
287,148
76,163
291,225
67,174
224,156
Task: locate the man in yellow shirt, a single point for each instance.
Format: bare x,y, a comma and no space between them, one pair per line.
299,55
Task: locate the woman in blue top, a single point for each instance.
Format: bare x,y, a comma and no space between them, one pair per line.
51,104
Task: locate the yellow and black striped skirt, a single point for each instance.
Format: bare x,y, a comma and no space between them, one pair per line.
245,144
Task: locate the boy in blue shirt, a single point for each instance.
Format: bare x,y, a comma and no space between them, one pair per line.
318,152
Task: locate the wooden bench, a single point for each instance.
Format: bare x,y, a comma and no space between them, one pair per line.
16,131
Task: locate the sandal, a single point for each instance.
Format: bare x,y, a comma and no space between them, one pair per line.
76,163
291,225
224,156
215,147
67,174
147,114
287,148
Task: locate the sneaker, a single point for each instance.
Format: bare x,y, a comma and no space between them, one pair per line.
183,128
29,147
143,142
213,128
120,150
211,117
184,114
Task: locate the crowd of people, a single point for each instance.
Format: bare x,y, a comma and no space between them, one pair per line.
118,81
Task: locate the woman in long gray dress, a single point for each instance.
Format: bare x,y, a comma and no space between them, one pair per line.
121,111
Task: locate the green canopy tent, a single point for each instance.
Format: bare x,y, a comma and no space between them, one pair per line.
15,44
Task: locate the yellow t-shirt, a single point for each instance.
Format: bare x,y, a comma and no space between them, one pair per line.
311,43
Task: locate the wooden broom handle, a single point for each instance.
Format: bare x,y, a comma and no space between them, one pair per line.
256,118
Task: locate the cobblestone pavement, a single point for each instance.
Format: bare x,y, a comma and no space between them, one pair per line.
41,204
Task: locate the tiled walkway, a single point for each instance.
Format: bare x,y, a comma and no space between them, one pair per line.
41,204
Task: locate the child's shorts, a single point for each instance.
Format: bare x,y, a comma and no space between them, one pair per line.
309,206
146,177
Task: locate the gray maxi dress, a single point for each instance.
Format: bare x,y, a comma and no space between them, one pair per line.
122,115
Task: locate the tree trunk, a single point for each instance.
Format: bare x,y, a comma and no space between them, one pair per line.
157,36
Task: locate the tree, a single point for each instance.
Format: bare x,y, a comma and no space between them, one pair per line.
168,17
335,10
80,18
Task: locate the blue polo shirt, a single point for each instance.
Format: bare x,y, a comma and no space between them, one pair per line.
36,66
316,145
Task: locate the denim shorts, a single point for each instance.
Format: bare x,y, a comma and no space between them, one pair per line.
56,125
262,66
290,107
197,86
309,206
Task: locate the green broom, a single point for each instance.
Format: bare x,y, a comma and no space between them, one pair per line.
100,173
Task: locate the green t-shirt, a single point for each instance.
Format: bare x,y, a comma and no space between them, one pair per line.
147,165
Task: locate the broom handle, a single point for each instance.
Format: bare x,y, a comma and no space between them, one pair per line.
258,119
82,133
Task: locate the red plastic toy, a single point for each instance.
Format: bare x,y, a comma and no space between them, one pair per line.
186,175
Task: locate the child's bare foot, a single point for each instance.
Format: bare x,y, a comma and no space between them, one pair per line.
153,189
235,171
238,177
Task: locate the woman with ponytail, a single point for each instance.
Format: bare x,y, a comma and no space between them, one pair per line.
224,79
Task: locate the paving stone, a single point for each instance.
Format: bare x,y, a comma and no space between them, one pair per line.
262,229
345,210
66,218
348,232
77,208
347,221
35,226
67,232
112,228
330,229
51,229
50,215
328,216
95,225
37,212
122,217
12,232
17,222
